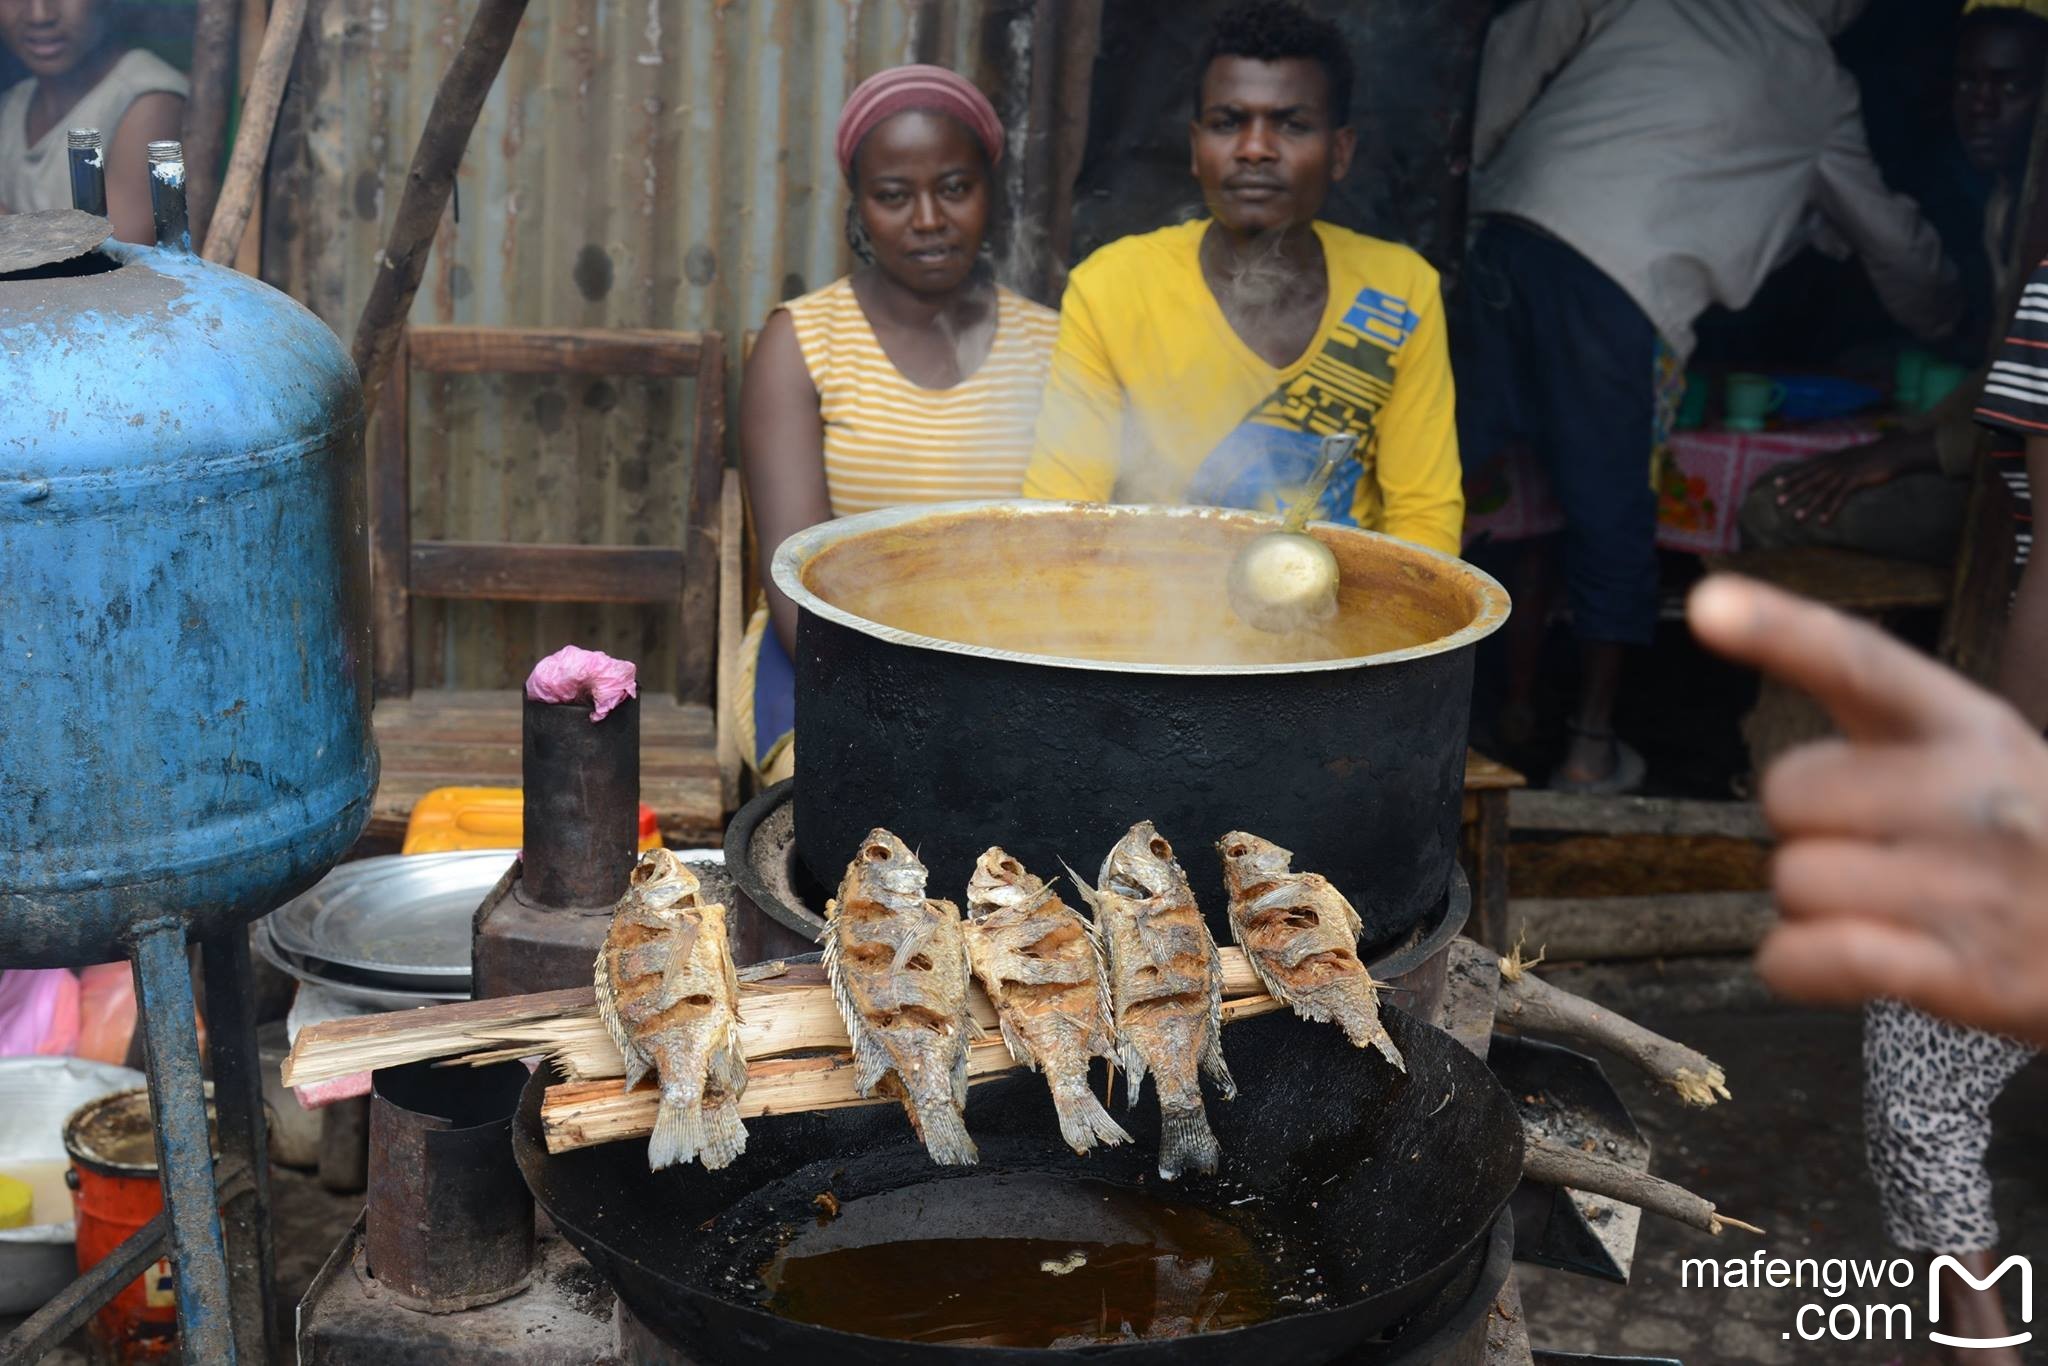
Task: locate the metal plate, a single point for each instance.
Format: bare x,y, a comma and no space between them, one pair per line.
402,915
30,240
381,998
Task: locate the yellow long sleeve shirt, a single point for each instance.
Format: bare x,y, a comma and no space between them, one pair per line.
1153,397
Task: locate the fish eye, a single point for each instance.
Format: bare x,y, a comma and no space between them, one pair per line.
1160,848
875,853
1011,866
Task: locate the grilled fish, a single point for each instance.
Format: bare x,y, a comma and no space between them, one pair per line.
1166,991
1041,966
898,965
1301,938
667,993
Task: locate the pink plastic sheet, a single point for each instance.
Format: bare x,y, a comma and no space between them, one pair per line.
572,673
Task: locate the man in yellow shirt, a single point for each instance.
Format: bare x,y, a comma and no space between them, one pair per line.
1204,363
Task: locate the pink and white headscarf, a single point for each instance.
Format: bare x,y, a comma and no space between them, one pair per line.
917,86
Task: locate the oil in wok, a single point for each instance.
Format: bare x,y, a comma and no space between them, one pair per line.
1144,1268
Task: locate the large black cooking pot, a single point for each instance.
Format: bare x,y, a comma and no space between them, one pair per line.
1041,675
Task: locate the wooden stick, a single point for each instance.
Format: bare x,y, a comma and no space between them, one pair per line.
1550,1163
1529,1002
428,181
244,184
583,1114
790,1013
206,112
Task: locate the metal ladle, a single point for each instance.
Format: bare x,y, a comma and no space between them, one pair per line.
1287,579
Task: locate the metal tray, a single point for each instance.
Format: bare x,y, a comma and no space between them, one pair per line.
380,997
407,914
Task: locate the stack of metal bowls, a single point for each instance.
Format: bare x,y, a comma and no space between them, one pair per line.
387,933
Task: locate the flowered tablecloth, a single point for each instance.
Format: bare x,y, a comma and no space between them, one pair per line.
1700,478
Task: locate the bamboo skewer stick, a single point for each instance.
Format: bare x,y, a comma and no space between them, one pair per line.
583,1114
790,1013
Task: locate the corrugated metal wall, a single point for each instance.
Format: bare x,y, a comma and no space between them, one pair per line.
659,163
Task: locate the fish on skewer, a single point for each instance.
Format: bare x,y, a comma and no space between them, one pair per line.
1300,936
1041,965
897,961
1165,989
669,997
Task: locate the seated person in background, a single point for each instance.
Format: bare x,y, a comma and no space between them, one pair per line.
1204,363
79,77
914,379
1902,495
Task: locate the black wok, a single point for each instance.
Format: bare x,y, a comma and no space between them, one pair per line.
1388,1185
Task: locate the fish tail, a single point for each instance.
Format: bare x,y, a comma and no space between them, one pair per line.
1083,1121
944,1131
678,1130
725,1138
1186,1144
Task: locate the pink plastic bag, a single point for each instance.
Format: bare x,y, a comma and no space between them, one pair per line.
571,673
106,1012
38,1012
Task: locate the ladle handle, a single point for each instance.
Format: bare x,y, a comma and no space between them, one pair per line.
1336,449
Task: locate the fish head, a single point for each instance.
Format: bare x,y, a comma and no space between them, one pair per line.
663,883
1249,861
1142,867
1000,883
888,871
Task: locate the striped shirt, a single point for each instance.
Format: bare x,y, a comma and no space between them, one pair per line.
2015,400
890,441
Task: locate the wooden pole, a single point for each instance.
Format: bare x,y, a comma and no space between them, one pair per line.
255,18
244,184
206,112
427,184
1550,1163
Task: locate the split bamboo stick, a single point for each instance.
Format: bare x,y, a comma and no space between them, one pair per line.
583,1114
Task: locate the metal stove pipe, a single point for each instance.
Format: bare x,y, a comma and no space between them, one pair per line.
88,170
449,1223
167,195
582,786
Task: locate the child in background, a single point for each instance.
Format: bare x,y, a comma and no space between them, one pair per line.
80,77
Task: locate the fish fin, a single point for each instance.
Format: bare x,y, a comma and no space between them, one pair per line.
910,947
1133,1063
1359,1017
1215,1069
1088,893
1020,1050
944,1130
1186,1143
725,1137
638,1064
678,1130
1083,1121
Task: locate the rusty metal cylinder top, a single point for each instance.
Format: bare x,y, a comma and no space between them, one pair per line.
582,794
449,1223
184,584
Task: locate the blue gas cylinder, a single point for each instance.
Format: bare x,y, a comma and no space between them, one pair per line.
184,625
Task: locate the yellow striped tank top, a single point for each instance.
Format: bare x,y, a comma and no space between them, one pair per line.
890,441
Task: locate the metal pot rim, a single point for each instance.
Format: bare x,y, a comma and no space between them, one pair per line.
801,548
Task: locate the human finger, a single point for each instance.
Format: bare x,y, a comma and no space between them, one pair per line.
1913,886
1841,962
1873,687
1948,791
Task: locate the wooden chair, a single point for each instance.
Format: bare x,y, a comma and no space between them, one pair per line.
689,771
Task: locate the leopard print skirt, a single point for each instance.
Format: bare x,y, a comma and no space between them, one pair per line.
1928,1086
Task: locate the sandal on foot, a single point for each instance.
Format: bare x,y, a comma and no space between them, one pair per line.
1625,777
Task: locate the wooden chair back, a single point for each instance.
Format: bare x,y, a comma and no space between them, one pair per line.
685,577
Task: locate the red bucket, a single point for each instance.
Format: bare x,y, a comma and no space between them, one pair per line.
115,1191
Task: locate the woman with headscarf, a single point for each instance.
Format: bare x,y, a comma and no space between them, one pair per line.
915,378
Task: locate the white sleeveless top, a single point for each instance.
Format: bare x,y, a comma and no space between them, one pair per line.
39,176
